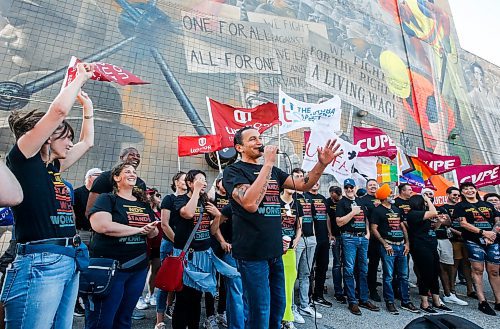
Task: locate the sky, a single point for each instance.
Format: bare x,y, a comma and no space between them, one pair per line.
478,23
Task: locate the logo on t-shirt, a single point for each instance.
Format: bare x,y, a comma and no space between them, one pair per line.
137,217
270,205
306,209
480,221
288,218
203,232
394,225
320,208
359,220
64,217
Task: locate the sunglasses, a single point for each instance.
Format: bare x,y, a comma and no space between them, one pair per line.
349,187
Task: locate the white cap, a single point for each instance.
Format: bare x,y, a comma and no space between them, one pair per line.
425,190
92,172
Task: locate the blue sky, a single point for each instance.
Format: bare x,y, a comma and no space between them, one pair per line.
478,24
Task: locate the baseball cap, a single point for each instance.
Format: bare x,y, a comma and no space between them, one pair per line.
350,182
92,172
426,190
383,192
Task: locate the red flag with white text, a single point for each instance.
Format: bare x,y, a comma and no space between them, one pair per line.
227,120
374,142
480,175
439,164
103,72
192,145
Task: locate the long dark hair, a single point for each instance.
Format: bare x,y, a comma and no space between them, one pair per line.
136,191
190,176
468,184
20,122
417,202
176,178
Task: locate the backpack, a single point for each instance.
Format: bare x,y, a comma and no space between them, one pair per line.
442,321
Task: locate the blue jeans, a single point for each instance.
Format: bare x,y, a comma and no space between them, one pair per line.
166,248
395,265
264,292
337,266
40,291
114,311
236,309
355,252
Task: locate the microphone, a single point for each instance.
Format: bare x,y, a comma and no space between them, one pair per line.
261,149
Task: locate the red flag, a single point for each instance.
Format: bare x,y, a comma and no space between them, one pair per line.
192,145
480,175
439,163
104,72
373,142
227,120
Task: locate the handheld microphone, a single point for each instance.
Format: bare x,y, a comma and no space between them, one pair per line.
261,149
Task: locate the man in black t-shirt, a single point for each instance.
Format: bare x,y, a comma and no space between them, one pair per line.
322,253
353,223
253,191
336,241
402,201
371,203
103,183
80,205
387,227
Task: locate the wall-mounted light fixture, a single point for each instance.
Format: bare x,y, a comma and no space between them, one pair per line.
362,113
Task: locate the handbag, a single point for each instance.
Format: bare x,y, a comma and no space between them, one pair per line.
169,276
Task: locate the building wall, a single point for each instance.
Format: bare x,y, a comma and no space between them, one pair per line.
399,62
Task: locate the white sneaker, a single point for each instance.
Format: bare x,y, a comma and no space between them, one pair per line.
453,299
211,323
411,284
152,300
161,325
147,299
141,304
309,311
287,325
297,317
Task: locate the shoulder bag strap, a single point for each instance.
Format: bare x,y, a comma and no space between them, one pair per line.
193,232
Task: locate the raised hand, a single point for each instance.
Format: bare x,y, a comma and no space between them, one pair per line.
270,152
84,71
329,153
84,99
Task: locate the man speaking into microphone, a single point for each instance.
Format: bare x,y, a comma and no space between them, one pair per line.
253,191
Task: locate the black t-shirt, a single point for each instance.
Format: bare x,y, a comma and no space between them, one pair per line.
79,206
420,231
357,224
442,231
126,212
404,205
256,236
103,183
306,203
455,223
225,228
371,203
168,203
389,222
46,211
184,227
320,217
227,231
290,213
485,222
331,207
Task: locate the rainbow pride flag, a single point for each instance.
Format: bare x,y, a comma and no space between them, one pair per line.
387,173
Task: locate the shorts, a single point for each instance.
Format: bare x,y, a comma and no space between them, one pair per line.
459,250
445,251
483,253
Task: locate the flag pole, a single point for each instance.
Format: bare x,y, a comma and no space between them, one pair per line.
279,135
178,163
455,178
213,131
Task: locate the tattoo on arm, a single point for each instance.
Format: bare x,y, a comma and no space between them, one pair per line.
239,192
306,179
263,190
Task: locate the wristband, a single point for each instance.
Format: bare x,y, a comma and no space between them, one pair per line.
481,232
88,116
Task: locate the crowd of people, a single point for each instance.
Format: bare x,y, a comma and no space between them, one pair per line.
249,237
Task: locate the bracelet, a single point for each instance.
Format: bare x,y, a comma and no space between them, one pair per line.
481,232
88,116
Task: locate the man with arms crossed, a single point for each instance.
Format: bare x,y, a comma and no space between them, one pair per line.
253,191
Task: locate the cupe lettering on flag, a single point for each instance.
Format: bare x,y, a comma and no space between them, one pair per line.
192,145
480,175
295,114
342,167
439,164
103,72
374,142
226,120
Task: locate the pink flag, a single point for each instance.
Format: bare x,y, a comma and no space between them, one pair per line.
439,164
480,175
373,142
104,72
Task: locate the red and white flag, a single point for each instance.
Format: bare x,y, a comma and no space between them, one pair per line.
103,72
374,142
192,145
227,120
480,175
439,163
